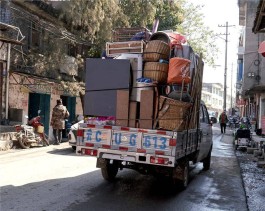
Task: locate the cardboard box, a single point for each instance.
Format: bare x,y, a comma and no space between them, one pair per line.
122,108
146,109
133,114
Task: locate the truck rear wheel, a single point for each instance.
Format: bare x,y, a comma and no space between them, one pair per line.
185,179
181,175
109,172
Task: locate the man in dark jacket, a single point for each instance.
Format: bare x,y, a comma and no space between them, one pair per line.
223,120
59,114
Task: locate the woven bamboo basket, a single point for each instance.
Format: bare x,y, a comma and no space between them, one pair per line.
173,114
155,50
156,71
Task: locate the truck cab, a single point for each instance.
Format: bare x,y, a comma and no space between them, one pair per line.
206,141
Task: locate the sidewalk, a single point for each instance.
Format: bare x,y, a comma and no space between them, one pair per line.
253,177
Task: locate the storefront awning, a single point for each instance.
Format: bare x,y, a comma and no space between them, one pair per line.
257,89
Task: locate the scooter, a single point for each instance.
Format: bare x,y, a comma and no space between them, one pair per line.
31,134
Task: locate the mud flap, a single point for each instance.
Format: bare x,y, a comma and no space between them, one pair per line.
101,163
178,173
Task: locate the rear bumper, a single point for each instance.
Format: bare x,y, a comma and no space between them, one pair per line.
135,157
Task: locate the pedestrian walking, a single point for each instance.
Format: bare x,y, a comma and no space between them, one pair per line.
59,114
223,120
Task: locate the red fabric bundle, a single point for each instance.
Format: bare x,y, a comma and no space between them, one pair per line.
179,70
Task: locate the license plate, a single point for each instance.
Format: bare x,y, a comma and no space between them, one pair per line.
122,138
96,135
155,142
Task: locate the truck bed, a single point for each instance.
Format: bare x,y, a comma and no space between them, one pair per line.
156,147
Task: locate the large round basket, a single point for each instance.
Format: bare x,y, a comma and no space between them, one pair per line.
155,50
156,71
173,114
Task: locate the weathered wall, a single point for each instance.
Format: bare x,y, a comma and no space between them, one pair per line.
252,60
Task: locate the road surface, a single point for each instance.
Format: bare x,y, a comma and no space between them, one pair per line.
55,178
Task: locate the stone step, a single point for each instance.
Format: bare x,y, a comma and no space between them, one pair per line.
261,164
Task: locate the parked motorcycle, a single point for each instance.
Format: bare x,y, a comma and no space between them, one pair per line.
31,134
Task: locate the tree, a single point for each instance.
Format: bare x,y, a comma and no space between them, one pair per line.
169,14
140,13
200,37
94,20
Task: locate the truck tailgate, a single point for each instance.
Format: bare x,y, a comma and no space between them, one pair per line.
129,144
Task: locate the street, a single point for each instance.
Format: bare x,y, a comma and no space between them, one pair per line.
55,178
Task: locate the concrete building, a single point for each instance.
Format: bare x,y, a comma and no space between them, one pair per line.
44,68
212,95
251,64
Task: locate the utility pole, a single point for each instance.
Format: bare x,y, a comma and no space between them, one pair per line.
232,90
225,72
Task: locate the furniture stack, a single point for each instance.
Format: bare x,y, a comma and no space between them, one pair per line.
153,84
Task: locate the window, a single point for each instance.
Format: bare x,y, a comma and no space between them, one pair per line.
35,40
201,114
34,37
206,115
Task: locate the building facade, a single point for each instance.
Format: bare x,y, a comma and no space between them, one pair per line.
251,65
44,68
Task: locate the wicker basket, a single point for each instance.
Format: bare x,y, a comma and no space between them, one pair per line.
155,50
156,71
173,114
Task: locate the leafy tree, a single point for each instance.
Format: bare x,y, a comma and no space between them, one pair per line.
199,36
169,14
140,13
94,20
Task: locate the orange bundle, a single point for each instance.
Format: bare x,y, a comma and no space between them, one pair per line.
179,71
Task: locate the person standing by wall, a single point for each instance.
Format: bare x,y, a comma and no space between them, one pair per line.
223,120
59,114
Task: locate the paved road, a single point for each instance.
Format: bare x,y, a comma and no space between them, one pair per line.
54,178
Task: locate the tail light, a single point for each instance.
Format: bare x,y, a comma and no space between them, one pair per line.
91,152
159,160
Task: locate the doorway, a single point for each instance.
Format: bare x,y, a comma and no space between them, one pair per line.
70,103
40,102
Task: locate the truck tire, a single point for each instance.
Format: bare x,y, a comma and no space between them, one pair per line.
109,172
181,179
185,181
207,161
